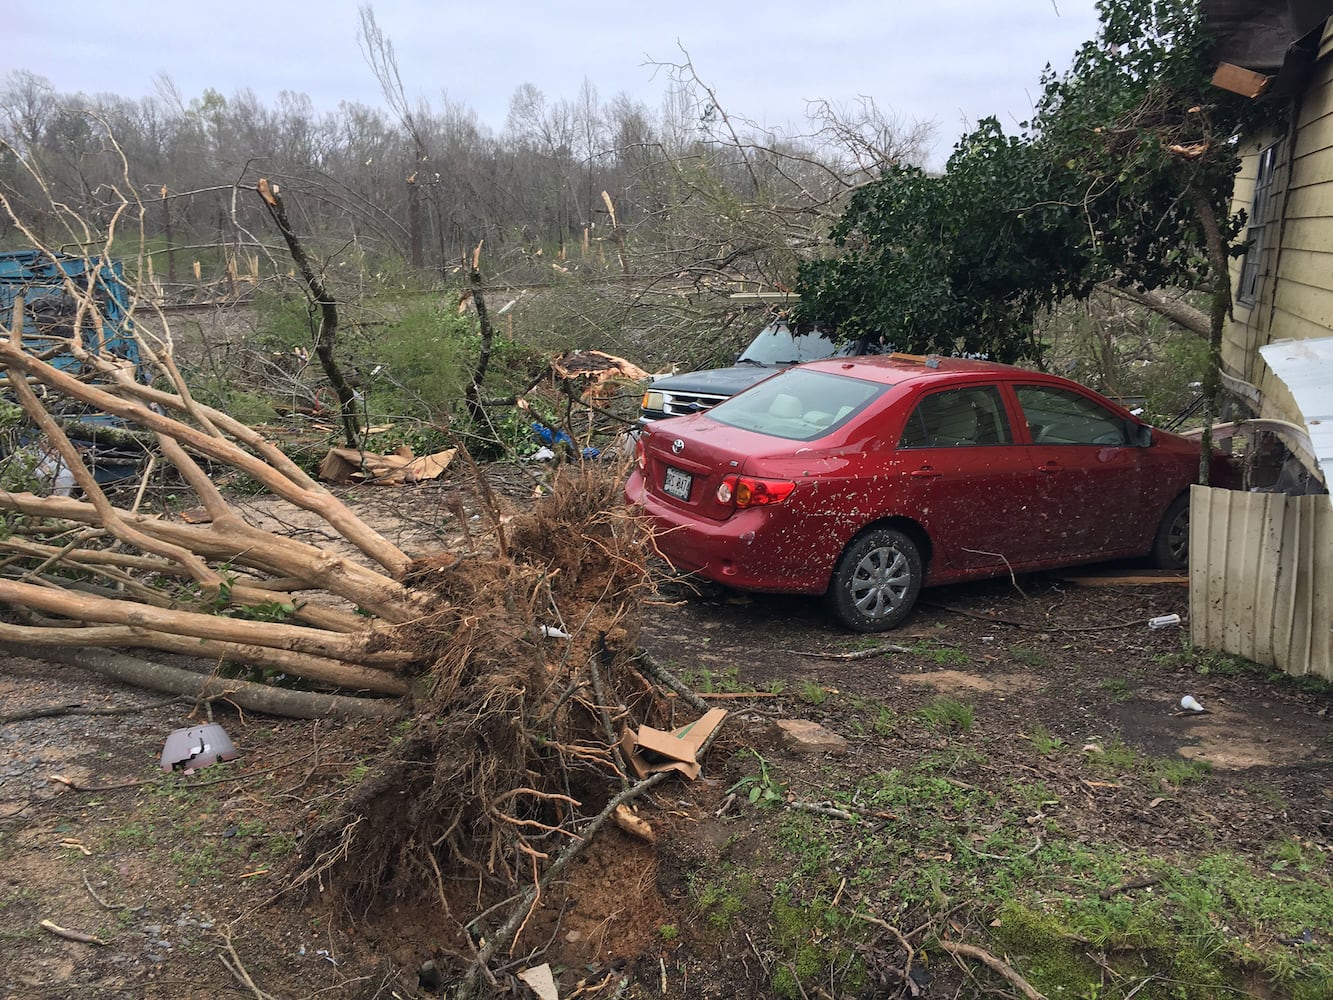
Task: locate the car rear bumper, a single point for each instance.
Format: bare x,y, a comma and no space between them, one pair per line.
742,552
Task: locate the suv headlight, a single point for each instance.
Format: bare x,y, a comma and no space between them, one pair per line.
652,400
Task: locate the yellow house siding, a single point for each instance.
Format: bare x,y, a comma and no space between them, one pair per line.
1294,298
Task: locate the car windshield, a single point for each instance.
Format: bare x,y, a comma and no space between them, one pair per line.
797,404
779,344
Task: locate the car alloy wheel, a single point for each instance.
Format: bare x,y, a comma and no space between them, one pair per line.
876,581
1171,547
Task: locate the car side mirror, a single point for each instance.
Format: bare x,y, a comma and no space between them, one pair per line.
1141,435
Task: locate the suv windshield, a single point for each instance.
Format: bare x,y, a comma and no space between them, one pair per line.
796,404
779,344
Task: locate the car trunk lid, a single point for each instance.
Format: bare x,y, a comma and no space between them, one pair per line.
685,460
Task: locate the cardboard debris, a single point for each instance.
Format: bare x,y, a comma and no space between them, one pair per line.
347,465
651,750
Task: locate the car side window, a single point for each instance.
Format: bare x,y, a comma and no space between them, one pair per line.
957,418
1058,416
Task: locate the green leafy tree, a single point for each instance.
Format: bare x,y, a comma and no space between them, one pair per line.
955,263
1122,177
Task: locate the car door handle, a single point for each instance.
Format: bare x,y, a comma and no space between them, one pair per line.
925,472
1049,467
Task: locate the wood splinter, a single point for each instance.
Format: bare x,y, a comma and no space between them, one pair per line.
70,935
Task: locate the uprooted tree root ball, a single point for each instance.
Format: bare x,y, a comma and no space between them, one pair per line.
513,742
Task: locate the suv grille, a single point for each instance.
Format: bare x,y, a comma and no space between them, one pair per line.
675,404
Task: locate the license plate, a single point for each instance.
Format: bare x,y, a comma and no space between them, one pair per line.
677,483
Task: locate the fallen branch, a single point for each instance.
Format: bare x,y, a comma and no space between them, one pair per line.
69,935
1130,886
1039,626
62,710
204,687
860,654
959,950
670,680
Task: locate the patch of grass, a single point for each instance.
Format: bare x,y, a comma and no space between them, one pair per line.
134,834
668,932
815,940
1029,656
1295,855
1043,742
812,693
885,720
718,903
1116,687
944,656
946,713
1116,759
1170,773
708,681
1207,662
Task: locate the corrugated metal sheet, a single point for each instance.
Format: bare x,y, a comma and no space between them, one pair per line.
1261,578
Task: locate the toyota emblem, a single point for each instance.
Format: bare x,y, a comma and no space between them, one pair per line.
677,446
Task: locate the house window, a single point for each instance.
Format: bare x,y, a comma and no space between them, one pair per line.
1254,235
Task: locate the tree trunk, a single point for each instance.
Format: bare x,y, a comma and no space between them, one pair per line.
326,337
1217,316
244,694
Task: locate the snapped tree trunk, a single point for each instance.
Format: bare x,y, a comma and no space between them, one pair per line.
326,335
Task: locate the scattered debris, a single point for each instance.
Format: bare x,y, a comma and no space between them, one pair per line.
195,747
541,980
348,465
1190,705
651,750
1164,621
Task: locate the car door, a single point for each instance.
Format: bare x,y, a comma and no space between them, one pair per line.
967,481
1090,486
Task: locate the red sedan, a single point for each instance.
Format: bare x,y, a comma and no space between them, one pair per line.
865,479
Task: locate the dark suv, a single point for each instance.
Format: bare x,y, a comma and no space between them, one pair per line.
775,347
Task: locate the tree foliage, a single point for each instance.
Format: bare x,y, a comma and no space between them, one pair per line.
954,263
1123,175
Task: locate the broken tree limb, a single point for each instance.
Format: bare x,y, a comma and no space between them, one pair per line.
670,680
960,950
239,543
69,935
350,647
204,687
326,334
312,668
313,498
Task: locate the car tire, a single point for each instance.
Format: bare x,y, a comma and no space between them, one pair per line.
1171,546
876,581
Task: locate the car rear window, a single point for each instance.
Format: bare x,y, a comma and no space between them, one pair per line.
797,404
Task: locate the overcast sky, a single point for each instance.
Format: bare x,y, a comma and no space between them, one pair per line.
944,61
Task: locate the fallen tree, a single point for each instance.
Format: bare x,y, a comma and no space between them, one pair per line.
512,659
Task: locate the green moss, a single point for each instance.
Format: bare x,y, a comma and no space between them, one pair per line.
1039,946
814,939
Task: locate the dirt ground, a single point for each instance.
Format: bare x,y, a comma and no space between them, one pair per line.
180,878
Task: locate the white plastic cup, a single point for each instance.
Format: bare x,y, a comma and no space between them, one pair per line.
1163,621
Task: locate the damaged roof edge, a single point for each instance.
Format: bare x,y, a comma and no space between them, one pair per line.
1265,47
1306,369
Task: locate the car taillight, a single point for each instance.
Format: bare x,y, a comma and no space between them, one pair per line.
640,456
747,491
